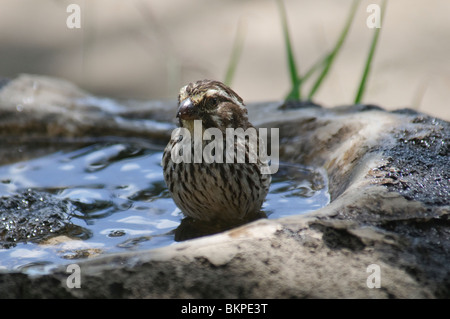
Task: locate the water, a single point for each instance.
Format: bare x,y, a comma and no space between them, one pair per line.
121,201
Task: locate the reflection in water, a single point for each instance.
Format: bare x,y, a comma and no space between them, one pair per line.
190,228
122,202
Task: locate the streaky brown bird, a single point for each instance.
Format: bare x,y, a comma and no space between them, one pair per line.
227,191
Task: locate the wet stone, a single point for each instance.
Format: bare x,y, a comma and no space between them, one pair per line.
418,166
32,216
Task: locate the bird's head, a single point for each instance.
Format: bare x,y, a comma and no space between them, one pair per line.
212,102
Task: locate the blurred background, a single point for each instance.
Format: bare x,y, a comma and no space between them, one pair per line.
148,49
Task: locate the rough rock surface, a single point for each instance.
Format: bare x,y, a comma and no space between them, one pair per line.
32,216
390,201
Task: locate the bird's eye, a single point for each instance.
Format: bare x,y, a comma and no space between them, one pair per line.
214,101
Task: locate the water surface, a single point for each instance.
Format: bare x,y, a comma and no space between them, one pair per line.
121,202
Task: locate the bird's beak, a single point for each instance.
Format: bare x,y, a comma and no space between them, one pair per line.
186,110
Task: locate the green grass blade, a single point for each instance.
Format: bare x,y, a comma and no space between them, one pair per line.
362,84
295,93
316,66
330,57
235,53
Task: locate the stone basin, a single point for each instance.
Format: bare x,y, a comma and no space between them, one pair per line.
389,183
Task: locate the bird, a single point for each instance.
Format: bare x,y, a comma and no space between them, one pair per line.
215,192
